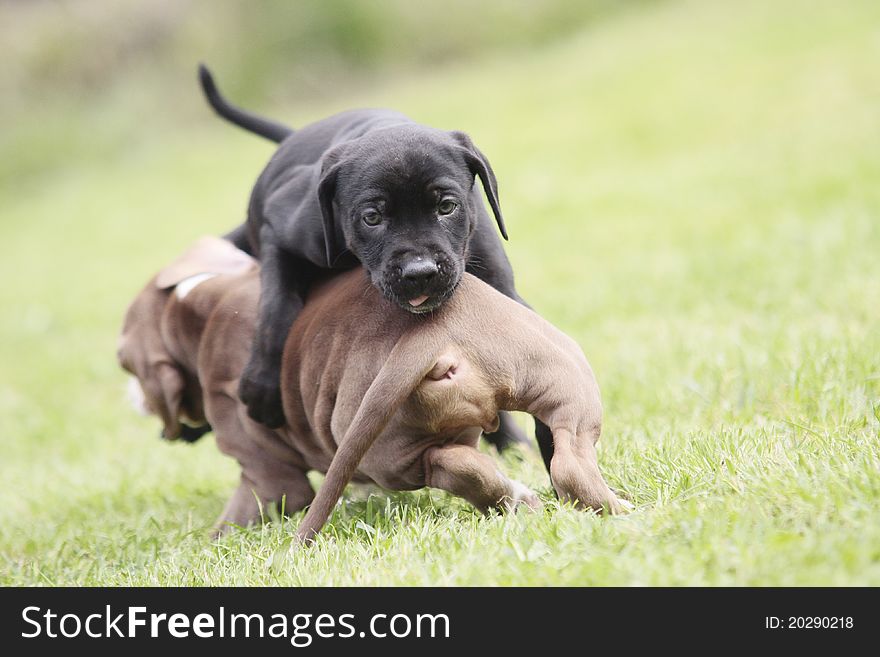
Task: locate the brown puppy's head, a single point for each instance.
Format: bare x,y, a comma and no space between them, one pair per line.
161,386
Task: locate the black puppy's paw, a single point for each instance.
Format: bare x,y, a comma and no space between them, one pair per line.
262,396
507,435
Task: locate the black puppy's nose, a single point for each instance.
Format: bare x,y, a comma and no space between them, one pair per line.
419,271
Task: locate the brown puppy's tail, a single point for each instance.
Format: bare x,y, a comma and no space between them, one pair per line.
407,365
267,128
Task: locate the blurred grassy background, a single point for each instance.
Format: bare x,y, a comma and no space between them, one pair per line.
692,191
84,79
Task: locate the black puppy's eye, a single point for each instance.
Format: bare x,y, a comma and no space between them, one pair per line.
447,207
372,218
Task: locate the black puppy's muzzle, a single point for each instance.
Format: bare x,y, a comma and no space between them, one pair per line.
421,284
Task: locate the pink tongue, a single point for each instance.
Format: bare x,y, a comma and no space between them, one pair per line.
418,301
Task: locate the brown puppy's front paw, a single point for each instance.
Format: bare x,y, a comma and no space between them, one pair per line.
262,396
520,495
609,504
220,530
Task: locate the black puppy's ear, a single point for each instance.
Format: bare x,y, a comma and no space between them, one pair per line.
326,193
479,166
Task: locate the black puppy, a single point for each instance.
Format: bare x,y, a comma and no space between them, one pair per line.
370,187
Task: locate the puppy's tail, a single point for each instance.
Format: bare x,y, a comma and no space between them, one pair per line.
408,364
267,128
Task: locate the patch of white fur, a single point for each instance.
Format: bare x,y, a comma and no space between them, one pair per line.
187,285
136,396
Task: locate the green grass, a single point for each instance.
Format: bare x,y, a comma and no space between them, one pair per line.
692,191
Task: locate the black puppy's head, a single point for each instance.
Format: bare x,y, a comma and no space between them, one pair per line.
403,198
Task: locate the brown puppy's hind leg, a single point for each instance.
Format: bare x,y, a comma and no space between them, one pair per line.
269,473
574,471
241,510
467,473
289,491
410,361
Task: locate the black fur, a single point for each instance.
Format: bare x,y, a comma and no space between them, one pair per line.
192,434
267,128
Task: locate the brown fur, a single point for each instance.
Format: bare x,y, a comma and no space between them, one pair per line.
377,394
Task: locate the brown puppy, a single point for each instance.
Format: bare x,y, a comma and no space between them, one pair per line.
371,393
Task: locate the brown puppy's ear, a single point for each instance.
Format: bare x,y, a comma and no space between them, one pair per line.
209,255
330,166
167,401
479,166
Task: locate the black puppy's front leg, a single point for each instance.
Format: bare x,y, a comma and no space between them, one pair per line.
283,284
507,434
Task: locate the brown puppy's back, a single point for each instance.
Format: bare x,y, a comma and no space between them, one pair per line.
347,329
